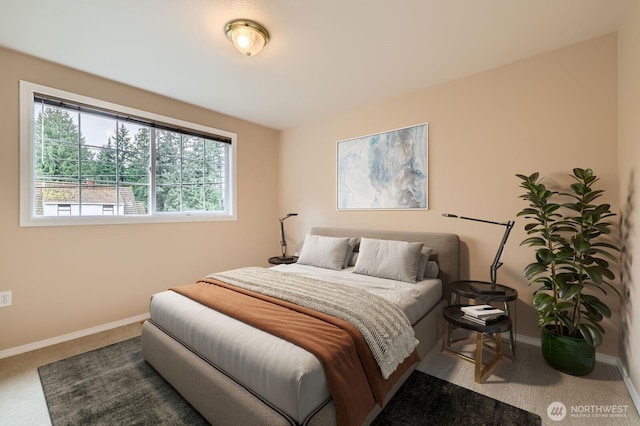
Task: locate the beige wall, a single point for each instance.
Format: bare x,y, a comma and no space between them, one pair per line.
549,114
66,279
629,160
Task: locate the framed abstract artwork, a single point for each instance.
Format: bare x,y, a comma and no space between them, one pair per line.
385,171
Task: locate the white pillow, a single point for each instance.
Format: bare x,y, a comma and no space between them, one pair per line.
323,252
422,262
396,260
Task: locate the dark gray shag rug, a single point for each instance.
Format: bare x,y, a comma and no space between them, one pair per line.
114,385
427,400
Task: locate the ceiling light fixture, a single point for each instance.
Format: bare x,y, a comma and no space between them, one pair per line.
248,37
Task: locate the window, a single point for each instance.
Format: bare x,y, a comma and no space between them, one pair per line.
86,161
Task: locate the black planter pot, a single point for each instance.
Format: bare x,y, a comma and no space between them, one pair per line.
567,354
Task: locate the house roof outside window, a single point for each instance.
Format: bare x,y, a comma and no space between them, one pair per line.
51,192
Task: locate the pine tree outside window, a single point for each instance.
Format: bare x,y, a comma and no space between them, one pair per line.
86,161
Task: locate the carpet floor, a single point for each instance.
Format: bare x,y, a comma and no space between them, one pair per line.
114,385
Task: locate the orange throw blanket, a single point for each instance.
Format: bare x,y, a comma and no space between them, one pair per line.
352,374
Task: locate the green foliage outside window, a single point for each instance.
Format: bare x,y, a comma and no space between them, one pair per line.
189,170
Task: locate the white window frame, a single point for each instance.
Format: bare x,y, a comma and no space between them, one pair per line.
27,165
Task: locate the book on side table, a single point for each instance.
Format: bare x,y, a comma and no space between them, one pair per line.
483,314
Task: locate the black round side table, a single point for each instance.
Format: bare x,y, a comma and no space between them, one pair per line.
469,289
279,260
454,316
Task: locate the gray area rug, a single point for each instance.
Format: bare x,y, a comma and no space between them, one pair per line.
427,400
114,385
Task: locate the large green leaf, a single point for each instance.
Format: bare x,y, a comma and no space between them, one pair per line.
602,271
544,256
580,245
579,188
591,334
534,241
593,316
560,306
534,269
566,321
608,285
531,227
528,212
533,177
605,244
596,324
595,274
572,291
592,195
550,208
542,301
593,302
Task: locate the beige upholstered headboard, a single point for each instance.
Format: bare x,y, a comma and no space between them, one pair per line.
446,247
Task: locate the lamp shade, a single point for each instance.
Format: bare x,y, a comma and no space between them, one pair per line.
248,37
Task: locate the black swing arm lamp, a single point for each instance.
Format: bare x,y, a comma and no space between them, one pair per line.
497,263
283,241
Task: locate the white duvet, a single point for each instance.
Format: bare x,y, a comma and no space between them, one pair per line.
284,375
413,299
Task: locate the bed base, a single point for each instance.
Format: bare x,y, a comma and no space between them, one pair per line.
223,401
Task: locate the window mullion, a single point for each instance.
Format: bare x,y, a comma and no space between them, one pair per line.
152,169
181,172
117,208
79,165
227,179
204,177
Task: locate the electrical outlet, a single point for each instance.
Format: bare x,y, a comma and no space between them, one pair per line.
5,298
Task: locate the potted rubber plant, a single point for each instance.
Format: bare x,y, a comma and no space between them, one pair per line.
573,258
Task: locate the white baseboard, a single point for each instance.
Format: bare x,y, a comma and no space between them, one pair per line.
66,337
607,359
527,340
627,381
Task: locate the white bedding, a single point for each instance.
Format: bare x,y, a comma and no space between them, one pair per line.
413,299
279,372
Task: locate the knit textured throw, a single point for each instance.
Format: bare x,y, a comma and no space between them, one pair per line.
383,325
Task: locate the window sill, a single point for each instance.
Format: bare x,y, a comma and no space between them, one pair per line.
123,220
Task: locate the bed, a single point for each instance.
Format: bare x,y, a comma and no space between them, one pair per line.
233,373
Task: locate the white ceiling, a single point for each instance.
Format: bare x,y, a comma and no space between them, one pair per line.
325,56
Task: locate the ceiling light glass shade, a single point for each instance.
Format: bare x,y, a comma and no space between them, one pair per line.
247,36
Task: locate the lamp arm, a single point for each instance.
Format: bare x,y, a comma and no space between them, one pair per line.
283,242
484,221
496,262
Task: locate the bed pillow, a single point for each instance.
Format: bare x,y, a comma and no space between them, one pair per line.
396,260
323,252
422,262
354,258
353,242
432,270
